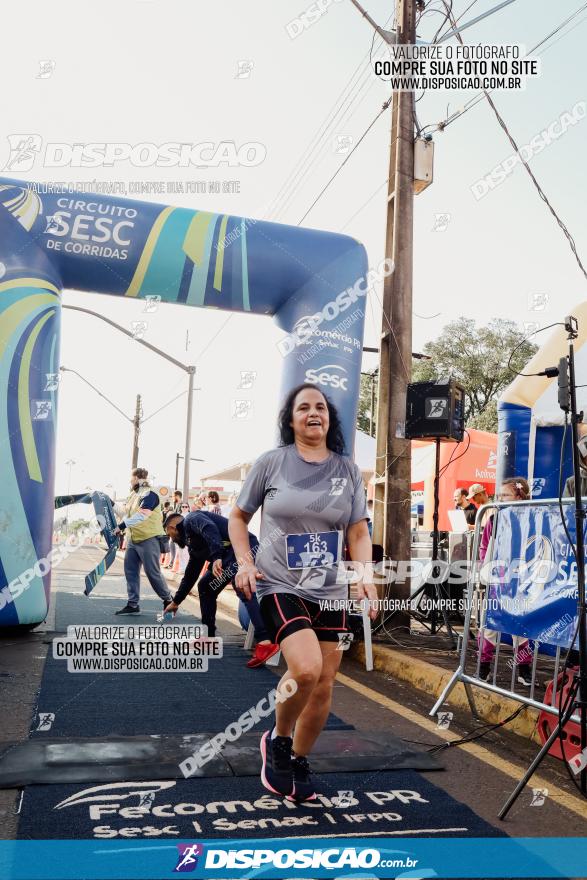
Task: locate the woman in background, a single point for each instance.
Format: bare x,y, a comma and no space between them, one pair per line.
512,489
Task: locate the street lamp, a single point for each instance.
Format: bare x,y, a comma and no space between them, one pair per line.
187,368
136,421
70,463
177,458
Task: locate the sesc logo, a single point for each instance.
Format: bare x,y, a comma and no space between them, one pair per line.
324,376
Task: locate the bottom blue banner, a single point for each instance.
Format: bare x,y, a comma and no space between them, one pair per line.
358,857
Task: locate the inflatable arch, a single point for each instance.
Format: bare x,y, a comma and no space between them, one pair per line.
530,421
311,282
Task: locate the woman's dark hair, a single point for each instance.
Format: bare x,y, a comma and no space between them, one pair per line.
334,437
213,496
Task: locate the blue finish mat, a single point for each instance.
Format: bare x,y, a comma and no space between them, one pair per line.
135,704
371,802
378,803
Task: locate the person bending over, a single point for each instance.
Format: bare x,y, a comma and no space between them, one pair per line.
205,535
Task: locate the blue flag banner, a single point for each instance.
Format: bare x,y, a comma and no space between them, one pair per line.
531,575
107,522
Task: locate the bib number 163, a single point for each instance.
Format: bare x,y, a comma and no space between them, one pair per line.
315,545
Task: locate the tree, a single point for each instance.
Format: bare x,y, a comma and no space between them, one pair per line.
78,524
368,381
478,359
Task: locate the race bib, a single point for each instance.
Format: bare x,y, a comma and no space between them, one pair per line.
313,549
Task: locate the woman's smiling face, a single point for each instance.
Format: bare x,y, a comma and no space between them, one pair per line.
310,419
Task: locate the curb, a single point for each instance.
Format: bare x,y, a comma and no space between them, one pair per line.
433,679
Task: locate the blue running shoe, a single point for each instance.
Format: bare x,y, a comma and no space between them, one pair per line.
276,771
303,789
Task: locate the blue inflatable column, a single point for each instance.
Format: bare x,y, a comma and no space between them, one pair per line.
29,352
325,322
513,440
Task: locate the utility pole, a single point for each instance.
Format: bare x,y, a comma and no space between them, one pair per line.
391,526
372,410
137,429
177,460
70,463
188,434
187,368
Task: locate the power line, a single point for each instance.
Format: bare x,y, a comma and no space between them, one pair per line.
539,189
317,136
289,183
447,13
364,86
165,405
364,205
470,6
475,99
479,96
339,169
314,151
447,18
320,139
97,390
298,177
354,104
208,344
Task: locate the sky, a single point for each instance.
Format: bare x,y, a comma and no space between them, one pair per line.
156,71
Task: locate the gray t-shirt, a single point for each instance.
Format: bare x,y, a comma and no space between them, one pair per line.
300,497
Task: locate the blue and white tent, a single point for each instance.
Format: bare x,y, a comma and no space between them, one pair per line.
530,421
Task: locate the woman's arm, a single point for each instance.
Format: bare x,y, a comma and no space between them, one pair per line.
248,574
361,551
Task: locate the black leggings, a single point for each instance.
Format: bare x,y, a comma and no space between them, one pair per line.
208,591
209,588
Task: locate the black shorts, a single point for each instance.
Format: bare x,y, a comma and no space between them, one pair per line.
286,613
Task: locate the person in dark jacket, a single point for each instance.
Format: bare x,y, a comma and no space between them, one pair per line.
206,537
569,490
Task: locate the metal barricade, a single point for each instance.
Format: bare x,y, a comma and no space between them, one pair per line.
470,643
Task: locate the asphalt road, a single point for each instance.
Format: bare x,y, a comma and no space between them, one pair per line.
480,776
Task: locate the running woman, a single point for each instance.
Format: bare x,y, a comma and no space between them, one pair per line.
312,503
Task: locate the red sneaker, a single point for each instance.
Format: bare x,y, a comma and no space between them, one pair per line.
262,655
